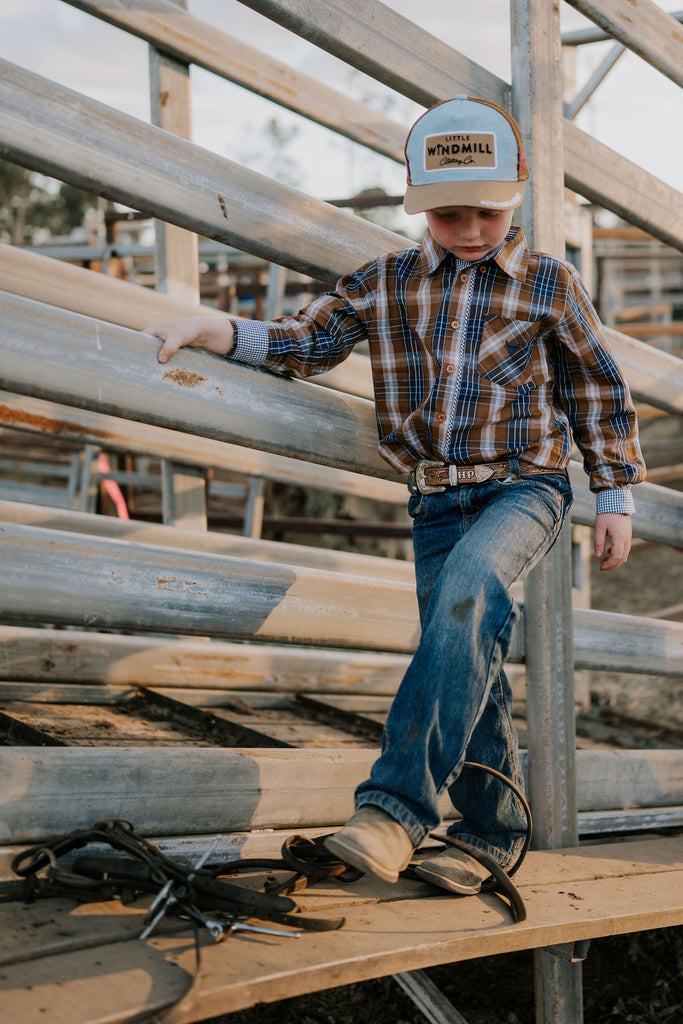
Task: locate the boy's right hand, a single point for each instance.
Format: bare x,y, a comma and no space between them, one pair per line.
214,334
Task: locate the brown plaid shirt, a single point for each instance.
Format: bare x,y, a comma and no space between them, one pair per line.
471,363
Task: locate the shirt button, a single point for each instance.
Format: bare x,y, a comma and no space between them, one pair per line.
441,417
482,270
463,277
450,368
455,324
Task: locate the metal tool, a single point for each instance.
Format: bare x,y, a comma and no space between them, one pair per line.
172,892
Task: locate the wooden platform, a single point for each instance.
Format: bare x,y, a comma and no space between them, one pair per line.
83,964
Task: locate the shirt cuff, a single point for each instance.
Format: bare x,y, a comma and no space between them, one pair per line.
618,500
251,344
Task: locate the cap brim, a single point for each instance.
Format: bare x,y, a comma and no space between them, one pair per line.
489,195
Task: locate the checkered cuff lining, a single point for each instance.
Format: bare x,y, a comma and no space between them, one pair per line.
618,500
251,342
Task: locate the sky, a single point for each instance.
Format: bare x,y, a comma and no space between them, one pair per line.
636,110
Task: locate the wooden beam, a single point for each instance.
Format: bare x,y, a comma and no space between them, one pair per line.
390,48
210,543
115,434
109,369
177,790
644,28
605,177
129,305
189,38
67,135
124,585
52,656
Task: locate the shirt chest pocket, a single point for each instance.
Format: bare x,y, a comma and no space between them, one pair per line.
507,353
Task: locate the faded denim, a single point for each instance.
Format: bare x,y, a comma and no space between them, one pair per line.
454,702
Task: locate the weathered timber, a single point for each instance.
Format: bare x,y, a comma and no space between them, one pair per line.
588,163
654,35
128,585
109,369
67,135
53,656
113,433
211,543
129,305
659,510
172,790
605,177
125,585
571,895
390,48
189,38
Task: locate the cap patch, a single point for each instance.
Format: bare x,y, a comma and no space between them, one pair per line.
461,149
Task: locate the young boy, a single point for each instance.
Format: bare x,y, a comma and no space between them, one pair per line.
487,358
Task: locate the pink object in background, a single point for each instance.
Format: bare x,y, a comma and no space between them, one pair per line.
112,488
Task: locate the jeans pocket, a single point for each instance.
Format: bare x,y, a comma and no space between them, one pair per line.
555,492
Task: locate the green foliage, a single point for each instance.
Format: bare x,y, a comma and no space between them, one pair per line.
34,208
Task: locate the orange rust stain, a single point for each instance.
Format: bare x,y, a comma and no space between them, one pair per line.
19,417
184,378
164,97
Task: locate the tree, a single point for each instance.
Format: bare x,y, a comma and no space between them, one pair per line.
34,208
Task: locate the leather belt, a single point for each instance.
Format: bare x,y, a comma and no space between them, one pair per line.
432,477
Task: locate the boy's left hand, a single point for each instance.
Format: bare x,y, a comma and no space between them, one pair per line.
617,528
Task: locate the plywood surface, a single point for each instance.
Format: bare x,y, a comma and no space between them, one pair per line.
85,965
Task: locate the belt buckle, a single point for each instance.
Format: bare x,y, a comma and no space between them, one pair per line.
420,481
469,475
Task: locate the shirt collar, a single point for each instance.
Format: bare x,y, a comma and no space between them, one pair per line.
512,257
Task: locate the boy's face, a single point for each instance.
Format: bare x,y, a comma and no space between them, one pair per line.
469,231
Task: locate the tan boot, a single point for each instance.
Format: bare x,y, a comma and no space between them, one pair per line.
374,842
453,870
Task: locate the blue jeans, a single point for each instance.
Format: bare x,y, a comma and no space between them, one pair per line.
454,702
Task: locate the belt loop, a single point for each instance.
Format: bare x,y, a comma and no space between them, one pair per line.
514,467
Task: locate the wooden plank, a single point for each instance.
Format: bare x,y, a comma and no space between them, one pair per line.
167,791
659,510
48,656
190,38
649,370
67,135
588,163
111,370
125,585
610,180
390,48
226,402
608,890
129,305
115,434
644,28
349,562
410,62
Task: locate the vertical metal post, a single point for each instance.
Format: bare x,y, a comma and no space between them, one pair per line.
177,271
537,105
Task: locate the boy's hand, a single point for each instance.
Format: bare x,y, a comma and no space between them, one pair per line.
617,528
215,334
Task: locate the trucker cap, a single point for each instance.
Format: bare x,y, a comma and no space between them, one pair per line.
465,152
